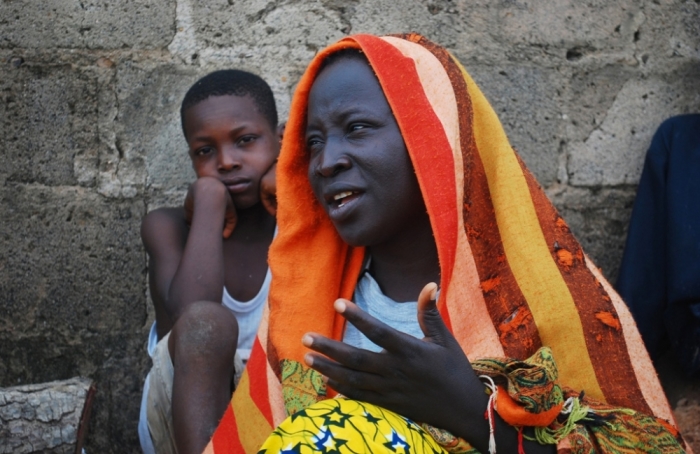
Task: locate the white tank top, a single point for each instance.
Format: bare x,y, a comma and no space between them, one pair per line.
248,314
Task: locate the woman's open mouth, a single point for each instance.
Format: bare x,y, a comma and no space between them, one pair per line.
341,199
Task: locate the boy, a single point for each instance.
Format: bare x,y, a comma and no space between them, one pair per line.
208,271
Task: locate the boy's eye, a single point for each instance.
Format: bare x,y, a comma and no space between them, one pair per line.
356,127
203,151
245,140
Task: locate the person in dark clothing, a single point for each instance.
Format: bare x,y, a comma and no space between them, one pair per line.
660,272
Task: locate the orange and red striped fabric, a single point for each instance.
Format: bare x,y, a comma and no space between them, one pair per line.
513,276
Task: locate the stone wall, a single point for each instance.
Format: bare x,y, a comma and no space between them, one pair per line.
91,141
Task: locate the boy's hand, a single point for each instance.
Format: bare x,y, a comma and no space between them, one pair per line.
207,190
230,217
268,189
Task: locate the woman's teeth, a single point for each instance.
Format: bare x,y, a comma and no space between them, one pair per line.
339,197
342,195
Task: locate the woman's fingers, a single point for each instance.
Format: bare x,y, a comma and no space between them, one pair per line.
378,332
427,295
343,375
429,318
341,353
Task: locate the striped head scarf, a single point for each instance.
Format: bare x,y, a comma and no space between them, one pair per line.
513,277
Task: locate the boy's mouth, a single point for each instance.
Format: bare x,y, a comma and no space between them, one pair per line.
237,185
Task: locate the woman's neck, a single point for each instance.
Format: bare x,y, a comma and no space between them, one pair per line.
404,265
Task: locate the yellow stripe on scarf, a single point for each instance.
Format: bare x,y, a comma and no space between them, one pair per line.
547,294
253,428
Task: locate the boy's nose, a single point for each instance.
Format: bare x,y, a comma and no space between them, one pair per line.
332,160
228,160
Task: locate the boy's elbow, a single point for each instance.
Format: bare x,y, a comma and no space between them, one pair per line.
156,226
149,224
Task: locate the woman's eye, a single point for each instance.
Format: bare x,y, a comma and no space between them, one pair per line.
313,143
356,127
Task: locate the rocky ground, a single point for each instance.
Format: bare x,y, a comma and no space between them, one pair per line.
684,395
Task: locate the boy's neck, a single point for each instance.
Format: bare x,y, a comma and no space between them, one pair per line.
403,266
254,217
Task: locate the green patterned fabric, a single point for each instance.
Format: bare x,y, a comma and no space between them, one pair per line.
301,386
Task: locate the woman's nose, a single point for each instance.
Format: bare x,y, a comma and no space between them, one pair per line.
332,159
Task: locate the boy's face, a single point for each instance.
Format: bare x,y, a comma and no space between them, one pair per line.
229,139
359,168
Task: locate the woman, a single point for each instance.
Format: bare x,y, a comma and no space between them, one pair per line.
394,166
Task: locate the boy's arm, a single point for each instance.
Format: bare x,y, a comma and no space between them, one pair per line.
192,270
164,233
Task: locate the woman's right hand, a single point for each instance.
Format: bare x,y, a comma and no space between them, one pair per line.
428,380
211,193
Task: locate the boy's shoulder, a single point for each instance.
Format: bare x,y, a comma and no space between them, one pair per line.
165,224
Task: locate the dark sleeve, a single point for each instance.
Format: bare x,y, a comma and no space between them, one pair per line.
642,278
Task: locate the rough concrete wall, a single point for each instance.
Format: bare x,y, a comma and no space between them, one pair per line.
90,139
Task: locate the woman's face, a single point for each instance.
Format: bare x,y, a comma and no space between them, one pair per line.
359,168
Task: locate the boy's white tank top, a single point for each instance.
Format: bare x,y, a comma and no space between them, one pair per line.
248,314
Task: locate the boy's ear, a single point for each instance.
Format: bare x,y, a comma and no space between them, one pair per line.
280,130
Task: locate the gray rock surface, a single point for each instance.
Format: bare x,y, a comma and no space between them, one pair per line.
45,417
90,92
73,298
